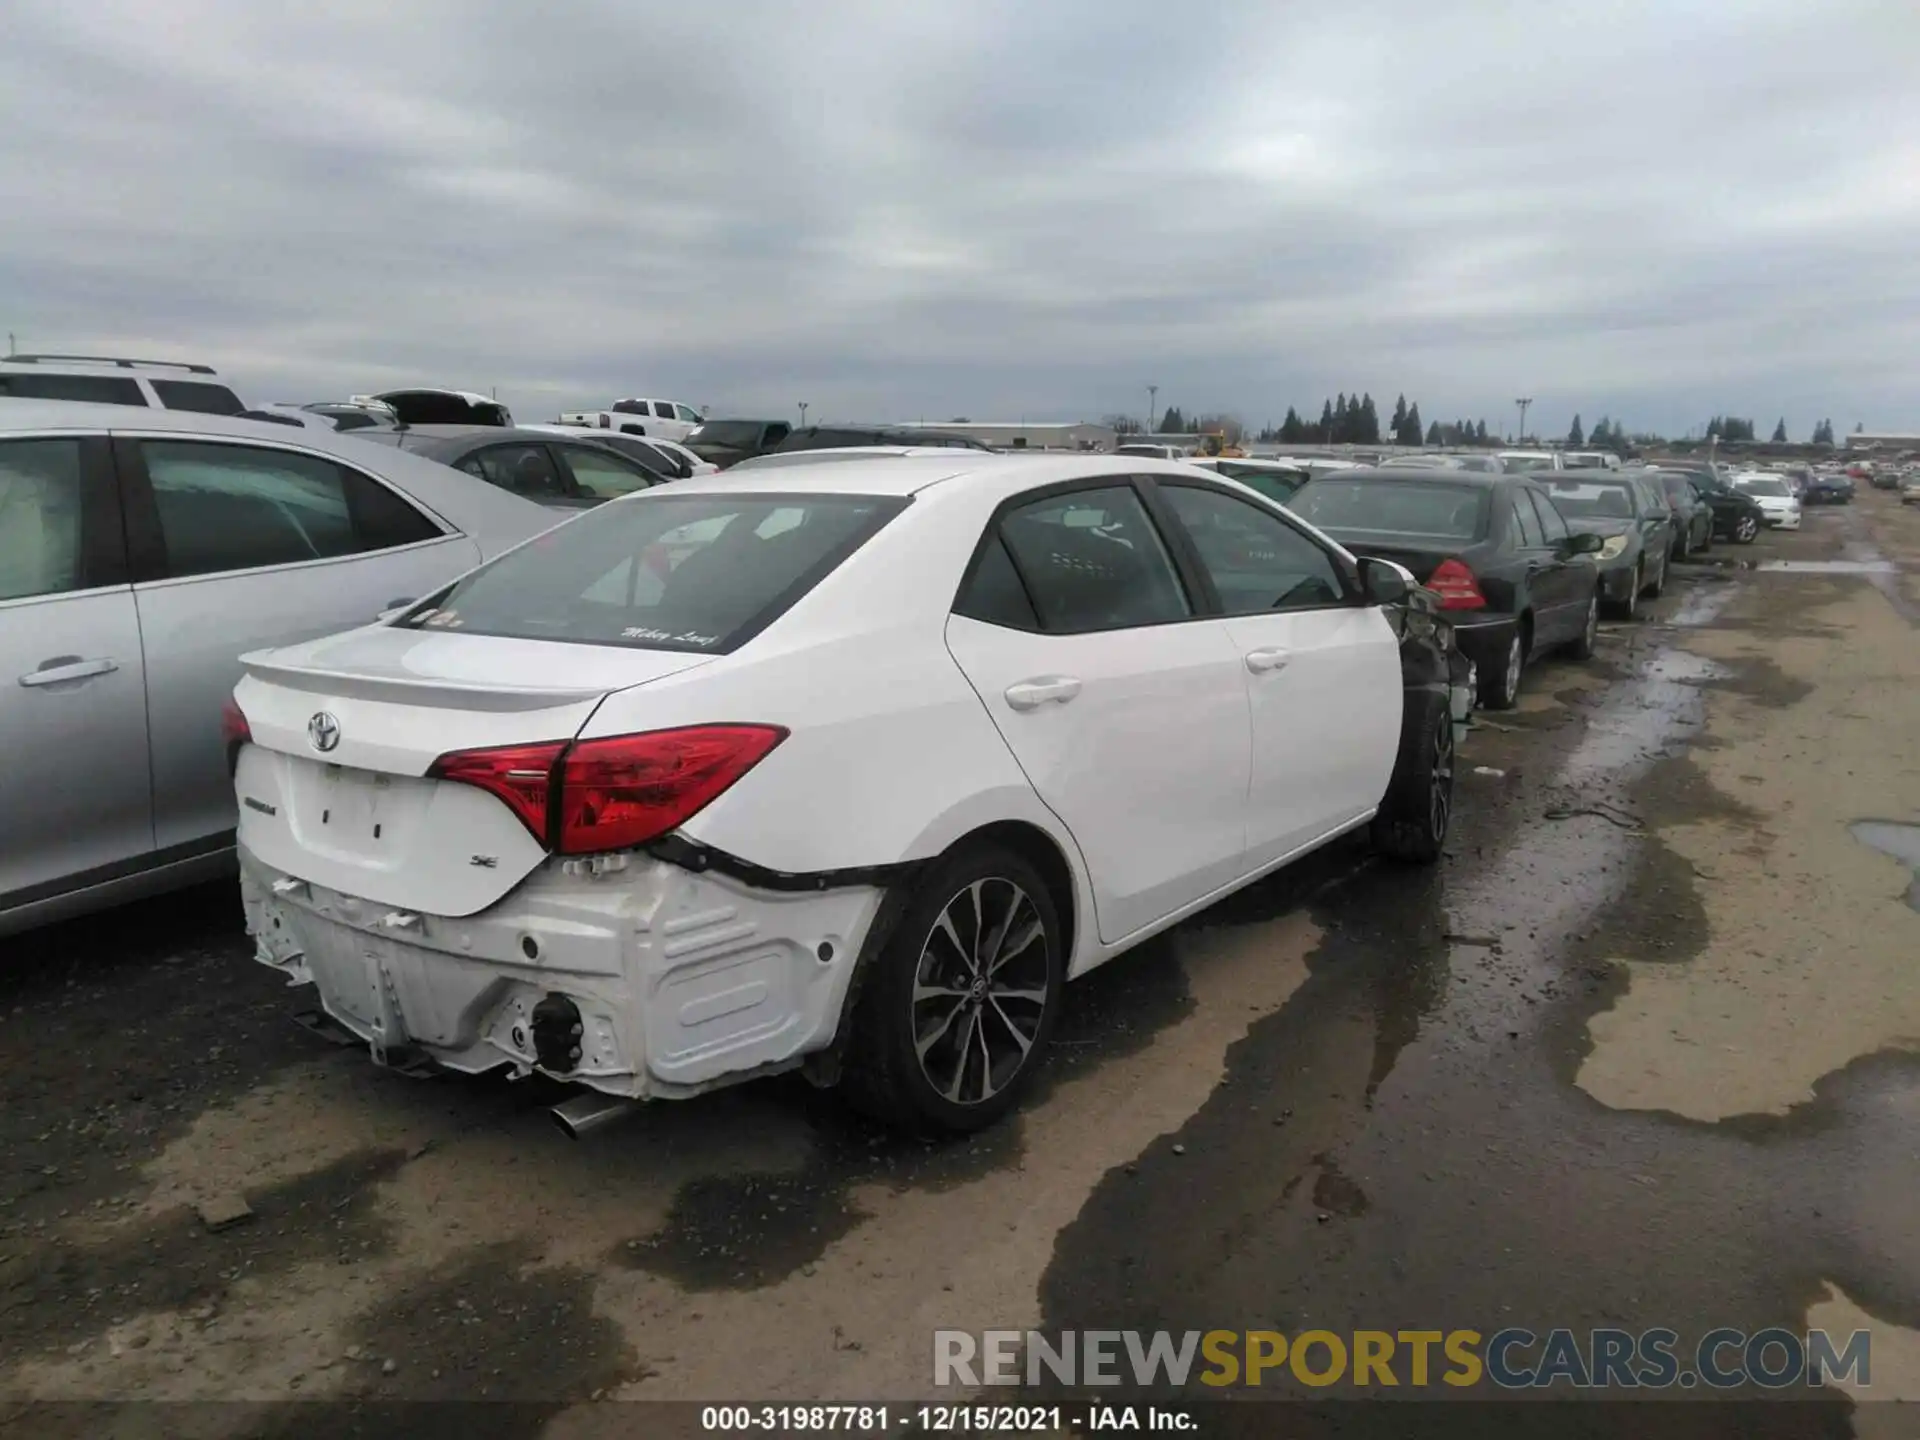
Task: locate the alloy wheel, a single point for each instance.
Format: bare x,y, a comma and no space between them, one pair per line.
980,991
1516,657
1440,802
1632,607
1746,530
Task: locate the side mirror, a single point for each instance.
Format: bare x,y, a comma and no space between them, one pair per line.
1385,583
1584,544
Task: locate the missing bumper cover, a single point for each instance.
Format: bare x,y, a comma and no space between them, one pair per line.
678,850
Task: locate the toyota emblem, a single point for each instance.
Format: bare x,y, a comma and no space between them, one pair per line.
324,731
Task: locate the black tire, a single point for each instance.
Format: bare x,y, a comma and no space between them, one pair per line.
1418,808
1746,530
1589,641
1657,588
1500,681
886,1075
1629,608
1706,538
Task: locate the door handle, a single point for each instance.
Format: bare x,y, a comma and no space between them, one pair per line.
1261,661
67,667
1032,694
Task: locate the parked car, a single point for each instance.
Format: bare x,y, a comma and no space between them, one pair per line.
342,415
663,419
1589,460
1774,496
844,437
1272,478
112,380
1883,479
1910,490
539,465
788,459
727,442
693,836
1438,460
1635,523
1515,579
440,407
1692,514
140,553
671,455
1829,489
1521,462
1151,451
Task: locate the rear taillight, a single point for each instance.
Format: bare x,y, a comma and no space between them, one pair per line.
628,789
234,732
617,792
1454,583
521,775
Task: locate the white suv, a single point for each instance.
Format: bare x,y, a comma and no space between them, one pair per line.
665,419
108,380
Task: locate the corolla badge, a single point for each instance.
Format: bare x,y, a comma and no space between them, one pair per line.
324,731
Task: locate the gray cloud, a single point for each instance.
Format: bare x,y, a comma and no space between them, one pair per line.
1654,210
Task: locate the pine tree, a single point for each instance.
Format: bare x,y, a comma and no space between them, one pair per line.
1576,436
1780,432
1323,434
1480,432
1433,433
1291,430
1411,433
1369,423
1399,421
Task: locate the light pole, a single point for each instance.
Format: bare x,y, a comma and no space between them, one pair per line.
1523,402
1153,395
803,414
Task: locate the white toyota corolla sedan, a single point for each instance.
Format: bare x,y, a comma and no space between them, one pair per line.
848,771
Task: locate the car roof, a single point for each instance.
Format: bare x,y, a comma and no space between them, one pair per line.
998,475
1423,475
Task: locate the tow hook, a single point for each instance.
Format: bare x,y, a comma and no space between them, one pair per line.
557,1034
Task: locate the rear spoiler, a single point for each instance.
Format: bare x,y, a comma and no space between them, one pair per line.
365,685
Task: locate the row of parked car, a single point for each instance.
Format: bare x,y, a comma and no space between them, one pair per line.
844,758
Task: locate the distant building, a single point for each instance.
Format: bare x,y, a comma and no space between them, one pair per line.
1046,436
1883,440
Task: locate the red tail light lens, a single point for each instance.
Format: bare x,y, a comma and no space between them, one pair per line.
614,793
234,732
1453,582
521,775
628,789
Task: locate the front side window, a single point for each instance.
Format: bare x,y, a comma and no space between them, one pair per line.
1258,563
197,396
604,476
1553,525
234,507
687,414
39,517
524,469
1092,560
664,572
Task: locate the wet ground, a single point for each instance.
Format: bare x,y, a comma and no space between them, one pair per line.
1641,1052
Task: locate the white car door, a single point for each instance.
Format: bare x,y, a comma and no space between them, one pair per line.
1322,669
1122,703
244,546
75,803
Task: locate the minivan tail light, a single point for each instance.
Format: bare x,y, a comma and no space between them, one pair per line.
234,733
1456,586
625,790
616,792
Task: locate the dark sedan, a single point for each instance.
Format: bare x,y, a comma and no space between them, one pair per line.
1829,490
728,442
546,468
1693,516
1637,531
1736,517
1513,577
855,437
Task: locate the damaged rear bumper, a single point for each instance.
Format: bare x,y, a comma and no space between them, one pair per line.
627,974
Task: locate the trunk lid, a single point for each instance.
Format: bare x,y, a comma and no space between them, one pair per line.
334,788
1421,558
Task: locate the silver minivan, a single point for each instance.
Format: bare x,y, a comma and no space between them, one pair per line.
141,552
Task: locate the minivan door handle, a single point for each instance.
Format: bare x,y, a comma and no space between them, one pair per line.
67,667
1261,661
1032,694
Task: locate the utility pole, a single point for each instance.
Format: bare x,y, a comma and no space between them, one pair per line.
1153,396
1523,402
803,414
10,349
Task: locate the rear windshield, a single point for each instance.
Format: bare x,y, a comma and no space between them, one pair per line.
738,433
1764,487
1277,485
1604,502
663,572
1526,464
1394,507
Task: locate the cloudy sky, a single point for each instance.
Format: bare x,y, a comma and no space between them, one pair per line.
908,208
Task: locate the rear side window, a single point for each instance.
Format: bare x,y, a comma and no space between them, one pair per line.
524,469
234,507
197,396
1526,522
663,409
1552,523
1092,560
94,389
994,594
39,517
668,572
604,476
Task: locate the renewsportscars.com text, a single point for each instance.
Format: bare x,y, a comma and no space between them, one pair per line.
1511,1358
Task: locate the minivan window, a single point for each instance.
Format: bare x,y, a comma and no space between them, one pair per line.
92,389
667,572
197,396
